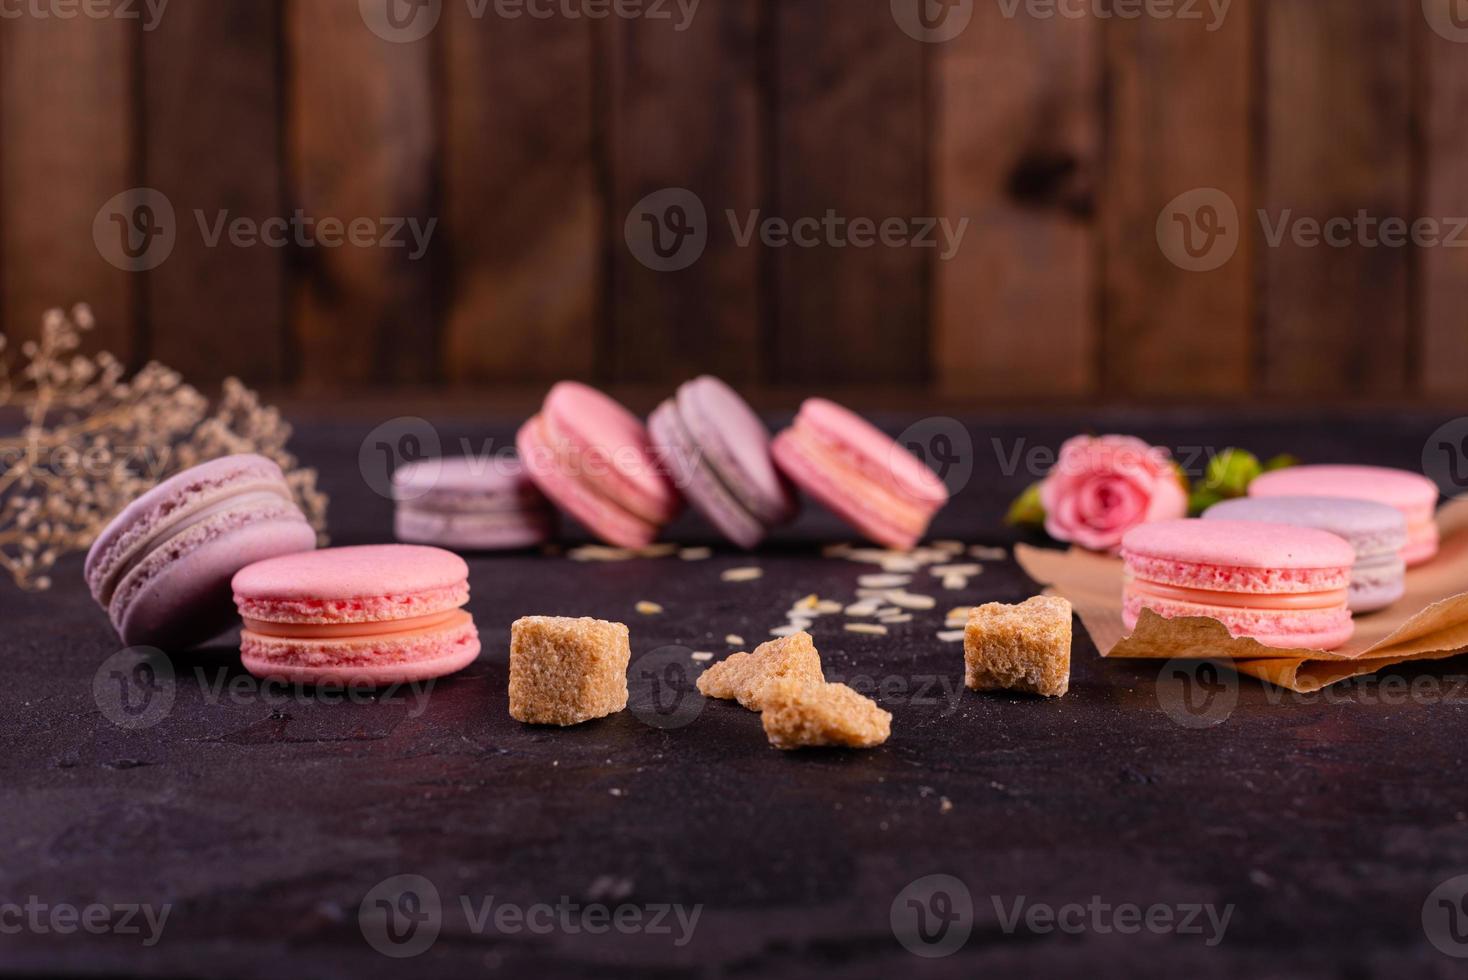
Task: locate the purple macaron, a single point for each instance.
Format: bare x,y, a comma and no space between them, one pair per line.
1377,531
162,568
717,452
470,504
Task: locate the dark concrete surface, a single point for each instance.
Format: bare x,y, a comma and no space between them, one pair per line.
262,819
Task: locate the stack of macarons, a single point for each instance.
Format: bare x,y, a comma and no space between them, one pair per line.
161,568
1376,532
718,454
1411,493
375,614
471,504
860,473
595,460
1285,586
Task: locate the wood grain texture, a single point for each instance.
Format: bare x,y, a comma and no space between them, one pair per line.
67,147
362,145
523,211
1442,298
1180,113
851,138
1016,149
215,308
1337,129
684,112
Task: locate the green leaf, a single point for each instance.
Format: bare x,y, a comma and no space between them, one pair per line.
1200,500
1027,510
1230,473
1281,462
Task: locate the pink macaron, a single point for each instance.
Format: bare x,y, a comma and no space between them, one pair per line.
860,473
718,454
376,614
1282,585
595,460
162,567
470,504
1411,493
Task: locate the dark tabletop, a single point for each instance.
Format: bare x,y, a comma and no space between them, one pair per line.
262,819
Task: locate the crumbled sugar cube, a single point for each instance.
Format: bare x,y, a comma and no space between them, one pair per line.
565,671
745,676
1019,648
799,714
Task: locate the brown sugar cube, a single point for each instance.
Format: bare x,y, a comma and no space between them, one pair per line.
1019,648
744,676
565,671
799,714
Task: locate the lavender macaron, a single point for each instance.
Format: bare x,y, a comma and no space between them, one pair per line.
717,452
1378,533
162,567
470,504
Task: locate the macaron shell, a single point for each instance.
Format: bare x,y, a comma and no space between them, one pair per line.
467,483
335,579
1371,527
732,440
866,507
597,514
166,509
1403,489
393,658
609,449
470,530
180,596
697,480
1239,544
1279,630
871,451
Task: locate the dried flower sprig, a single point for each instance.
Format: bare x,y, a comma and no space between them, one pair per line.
92,440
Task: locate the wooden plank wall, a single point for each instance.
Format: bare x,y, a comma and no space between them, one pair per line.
1078,145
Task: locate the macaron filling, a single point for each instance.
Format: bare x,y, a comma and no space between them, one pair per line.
855,469
330,631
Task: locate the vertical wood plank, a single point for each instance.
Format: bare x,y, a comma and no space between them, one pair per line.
851,138
1016,150
211,83
1337,126
362,145
684,113
523,212
1442,301
1180,142
67,147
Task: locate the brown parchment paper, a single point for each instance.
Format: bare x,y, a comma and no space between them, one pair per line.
1429,623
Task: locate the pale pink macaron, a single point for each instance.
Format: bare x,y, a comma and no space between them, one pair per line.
161,567
594,459
1411,493
1284,586
859,473
375,614
470,504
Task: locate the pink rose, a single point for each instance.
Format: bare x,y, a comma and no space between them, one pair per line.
1101,488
